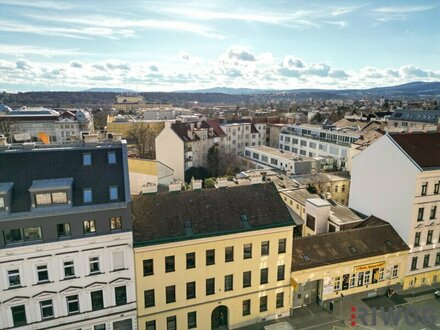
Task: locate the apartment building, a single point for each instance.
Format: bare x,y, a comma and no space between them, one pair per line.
242,134
288,162
365,260
409,120
316,141
181,146
220,258
66,258
27,124
398,178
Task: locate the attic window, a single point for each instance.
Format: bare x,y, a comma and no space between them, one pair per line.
388,243
352,249
305,258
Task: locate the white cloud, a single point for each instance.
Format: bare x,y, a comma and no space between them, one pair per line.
76,64
54,5
115,65
240,54
402,9
20,50
23,65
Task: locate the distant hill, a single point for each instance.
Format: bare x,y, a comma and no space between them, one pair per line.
109,90
227,90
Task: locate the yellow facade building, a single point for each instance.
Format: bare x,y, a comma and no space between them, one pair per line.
123,125
211,258
366,260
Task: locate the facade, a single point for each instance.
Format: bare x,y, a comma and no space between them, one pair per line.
364,260
66,258
242,134
398,178
408,120
285,161
316,141
217,260
273,132
27,124
124,124
147,175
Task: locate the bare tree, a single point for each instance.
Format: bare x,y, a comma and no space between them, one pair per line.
6,127
143,138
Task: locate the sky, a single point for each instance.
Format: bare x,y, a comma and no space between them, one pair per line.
53,45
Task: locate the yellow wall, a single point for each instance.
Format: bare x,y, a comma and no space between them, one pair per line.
338,270
124,127
143,166
203,304
428,278
299,209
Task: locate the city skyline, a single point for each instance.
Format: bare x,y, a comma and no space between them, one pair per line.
157,46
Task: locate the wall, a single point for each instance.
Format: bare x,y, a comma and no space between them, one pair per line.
170,151
204,304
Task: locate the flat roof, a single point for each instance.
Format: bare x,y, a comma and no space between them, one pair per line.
279,153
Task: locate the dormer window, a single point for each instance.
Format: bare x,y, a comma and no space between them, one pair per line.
51,192
87,159
111,157
2,203
5,195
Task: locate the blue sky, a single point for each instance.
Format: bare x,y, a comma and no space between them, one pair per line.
177,45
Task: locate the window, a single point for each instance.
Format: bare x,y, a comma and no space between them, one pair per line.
280,273
89,227
120,295
111,157
210,286
87,195
336,189
63,229
99,326
13,236
352,280
414,263
274,161
424,188
97,300
170,293
264,275
14,278
72,304
426,261
433,212
148,267
169,264
246,279
46,308
19,315
94,265
343,188
394,271
246,307
49,198
429,237
113,193
263,304
190,290
229,282
32,234
42,273
229,254
437,187
437,259
367,277
247,251
171,323
87,159
420,214
210,257
190,260
69,269
2,203
310,222
337,284
280,300
265,248
192,320
417,239
149,298
150,325
115,223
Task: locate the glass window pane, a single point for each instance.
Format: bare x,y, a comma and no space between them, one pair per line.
32,234
59,197
43,199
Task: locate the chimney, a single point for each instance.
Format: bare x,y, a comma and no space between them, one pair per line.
196,184
168,124
149,188
175,186
91,138
117,137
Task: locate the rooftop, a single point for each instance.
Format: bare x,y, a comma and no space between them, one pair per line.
422,148
207,212
341,246
279,153
300,195
423,116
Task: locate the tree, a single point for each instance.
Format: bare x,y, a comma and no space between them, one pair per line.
6,127
143,138
213,160
221,162
318,118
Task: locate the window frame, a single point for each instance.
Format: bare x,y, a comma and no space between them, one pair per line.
121,292
110,156
145,265
72,299
170,264
97,297
265,248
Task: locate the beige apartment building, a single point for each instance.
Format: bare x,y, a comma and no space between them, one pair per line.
221,257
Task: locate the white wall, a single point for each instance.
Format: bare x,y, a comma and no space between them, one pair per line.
383,184
27,258
170,151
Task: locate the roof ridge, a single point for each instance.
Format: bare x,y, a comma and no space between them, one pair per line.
344,231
